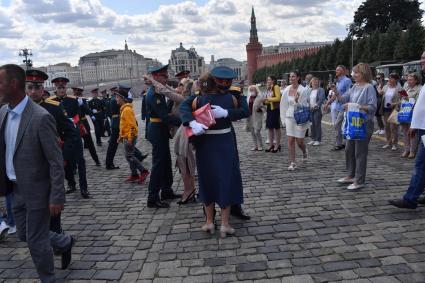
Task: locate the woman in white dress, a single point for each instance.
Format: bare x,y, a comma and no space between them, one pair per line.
294,95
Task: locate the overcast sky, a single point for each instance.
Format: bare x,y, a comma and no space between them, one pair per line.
64,30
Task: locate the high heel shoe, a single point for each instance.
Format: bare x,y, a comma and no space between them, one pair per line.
226,230
209,228
277,149
189,198
270,149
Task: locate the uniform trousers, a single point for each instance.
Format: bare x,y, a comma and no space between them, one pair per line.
76,160
112,148
161,174
33,227
356,155
98,129
88,142
106,127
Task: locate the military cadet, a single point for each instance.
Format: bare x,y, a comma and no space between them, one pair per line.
97,108
158,134
66,131
115,130
237,114
107,110
86,133
70,103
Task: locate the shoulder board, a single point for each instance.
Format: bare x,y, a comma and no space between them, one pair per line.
53,102
52,97
71,96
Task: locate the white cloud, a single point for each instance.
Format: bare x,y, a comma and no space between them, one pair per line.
64,30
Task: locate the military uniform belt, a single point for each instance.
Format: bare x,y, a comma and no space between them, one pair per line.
155,120
115,116
218,132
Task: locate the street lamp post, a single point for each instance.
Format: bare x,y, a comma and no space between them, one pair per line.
26,53
350,28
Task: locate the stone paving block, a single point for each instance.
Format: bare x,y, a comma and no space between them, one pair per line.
298,279
108,274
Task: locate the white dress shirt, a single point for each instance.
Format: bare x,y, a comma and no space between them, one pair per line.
10,134
418,118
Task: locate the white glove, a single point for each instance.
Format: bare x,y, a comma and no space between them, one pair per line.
197,128
94,111
93,118
80,101
219,112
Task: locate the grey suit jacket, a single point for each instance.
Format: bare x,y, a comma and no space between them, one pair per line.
37,159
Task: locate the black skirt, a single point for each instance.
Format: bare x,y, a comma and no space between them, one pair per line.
273,118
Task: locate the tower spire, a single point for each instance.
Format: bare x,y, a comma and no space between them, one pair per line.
253,33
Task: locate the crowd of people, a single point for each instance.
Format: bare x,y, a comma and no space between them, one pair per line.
43,136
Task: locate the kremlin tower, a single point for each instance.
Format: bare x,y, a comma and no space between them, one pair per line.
253,48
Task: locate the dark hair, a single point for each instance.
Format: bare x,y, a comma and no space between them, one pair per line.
273,78
207,84
342,66
15,72
394,76
298,74
381,75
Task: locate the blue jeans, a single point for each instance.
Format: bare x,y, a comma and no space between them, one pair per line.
10,220
417,183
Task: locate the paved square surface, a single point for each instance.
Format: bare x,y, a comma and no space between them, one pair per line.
304,227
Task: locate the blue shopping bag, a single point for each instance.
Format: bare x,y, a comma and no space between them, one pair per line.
354,125
405,113
302,114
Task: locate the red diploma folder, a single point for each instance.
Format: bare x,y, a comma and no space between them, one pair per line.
204,116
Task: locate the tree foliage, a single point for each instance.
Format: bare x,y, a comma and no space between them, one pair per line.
375,15
394,44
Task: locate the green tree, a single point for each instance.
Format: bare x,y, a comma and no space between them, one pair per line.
415,40
387,42
378,15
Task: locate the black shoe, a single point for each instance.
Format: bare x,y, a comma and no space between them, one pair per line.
190,197
112,167
66,256
239,213
158,204
338,147
421,200
85,194
170,196
70,190
98,164
401,203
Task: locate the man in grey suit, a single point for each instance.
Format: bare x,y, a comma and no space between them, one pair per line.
31,168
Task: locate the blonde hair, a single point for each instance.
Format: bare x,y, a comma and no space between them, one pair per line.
255,87
364,70
314,79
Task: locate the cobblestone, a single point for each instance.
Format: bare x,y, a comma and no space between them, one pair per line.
304,228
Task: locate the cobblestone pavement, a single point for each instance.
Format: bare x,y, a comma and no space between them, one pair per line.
304,228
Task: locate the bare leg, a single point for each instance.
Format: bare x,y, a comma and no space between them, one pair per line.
278,137
209,210
189,185
271,138
225,212
301,145
291,149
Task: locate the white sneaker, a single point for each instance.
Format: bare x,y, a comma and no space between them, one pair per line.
394,147
253,149
377,132
354,187
12,230
267,141
382,132
386,146
260,149
311,142
3,230
316,143
292,166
